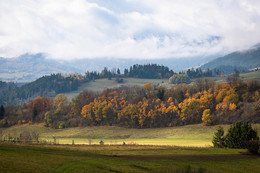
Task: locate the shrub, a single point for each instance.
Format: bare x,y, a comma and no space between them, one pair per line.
180,78
253,146
62,125
101,142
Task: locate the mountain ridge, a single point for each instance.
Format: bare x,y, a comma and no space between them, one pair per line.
246,59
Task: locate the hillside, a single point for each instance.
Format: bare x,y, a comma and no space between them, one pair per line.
101,84
244,60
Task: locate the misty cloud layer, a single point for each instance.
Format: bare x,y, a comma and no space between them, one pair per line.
147,29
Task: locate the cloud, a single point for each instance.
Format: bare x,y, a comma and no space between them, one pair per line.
146,29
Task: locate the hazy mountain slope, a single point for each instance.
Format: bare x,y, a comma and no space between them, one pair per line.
29,67
172,63
247,59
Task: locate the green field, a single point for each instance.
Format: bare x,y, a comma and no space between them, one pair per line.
101,84
190,135
172,149
62,158
251,75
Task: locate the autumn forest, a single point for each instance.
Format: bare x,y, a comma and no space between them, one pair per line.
145,107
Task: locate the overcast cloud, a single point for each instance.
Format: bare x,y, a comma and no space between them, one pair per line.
147,29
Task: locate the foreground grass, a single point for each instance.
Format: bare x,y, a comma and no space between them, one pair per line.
56,158
190,135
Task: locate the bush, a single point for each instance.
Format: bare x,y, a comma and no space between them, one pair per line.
180,78
253,146
62,125
101,142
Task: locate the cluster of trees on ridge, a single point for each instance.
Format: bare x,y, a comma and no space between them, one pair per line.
145,107
149,71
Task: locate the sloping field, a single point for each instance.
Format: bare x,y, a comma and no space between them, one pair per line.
251,75
190,135
101,84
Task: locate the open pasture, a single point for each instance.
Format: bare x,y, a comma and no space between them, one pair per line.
251,75
197,135
64,158
101,84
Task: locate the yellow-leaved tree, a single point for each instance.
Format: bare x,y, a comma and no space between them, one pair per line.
206,117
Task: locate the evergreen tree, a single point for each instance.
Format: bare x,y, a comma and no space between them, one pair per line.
239,134
34,113
126,72
218,138
2,111
109,75
160,94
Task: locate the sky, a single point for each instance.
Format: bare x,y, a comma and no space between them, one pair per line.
146,29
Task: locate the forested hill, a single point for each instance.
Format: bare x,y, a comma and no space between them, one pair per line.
239,60
45,86
4,86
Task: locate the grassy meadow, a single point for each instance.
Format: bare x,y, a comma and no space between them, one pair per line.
101,84
190,135
251,75
172,149
64,158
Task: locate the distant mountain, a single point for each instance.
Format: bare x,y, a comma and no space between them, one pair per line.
173,63
29,67
243,60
